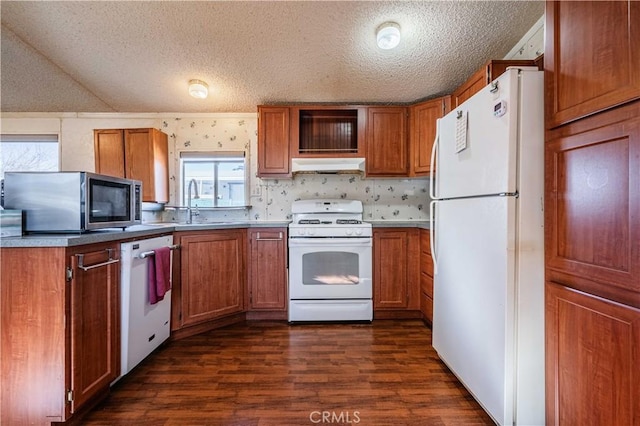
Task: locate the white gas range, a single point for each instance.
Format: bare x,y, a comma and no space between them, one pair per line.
330,262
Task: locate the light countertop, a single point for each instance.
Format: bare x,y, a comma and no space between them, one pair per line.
153,229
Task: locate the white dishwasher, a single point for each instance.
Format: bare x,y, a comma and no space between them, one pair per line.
144,326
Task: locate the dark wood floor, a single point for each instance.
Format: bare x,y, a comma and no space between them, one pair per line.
385,373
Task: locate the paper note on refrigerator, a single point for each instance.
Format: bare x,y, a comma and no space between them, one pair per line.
461,131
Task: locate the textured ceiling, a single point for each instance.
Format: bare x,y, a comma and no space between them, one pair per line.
132,56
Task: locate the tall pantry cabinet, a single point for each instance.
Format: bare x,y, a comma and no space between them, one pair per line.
592,212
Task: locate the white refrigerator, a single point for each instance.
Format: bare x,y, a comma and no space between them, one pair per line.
488,246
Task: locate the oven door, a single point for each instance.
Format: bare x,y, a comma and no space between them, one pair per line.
330,268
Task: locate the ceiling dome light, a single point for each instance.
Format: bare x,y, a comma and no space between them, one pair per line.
388,35
198,89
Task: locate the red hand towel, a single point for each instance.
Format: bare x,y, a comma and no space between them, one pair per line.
159,274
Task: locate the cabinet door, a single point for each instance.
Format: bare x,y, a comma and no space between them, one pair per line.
212,275
268,269
422,120
95,323
34,314
592,359
592,57
485,75
396,269
108,146
592,207
387,146
273,142
473,85
146,159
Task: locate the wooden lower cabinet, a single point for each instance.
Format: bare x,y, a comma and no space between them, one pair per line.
396,274
210,278
593,359
426,277
60,330
268,273
592,57
95,323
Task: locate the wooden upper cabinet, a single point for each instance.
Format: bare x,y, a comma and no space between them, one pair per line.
147,160
109,152
422,132
592,57
273,142
328,131
387,152
485,75
141,154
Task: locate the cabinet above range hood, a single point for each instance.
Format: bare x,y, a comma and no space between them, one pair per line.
328,165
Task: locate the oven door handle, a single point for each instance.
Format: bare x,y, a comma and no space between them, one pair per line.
330,242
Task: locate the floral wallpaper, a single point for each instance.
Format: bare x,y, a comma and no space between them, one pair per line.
383,199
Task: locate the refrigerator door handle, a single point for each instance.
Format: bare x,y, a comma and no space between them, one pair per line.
434,150
432,241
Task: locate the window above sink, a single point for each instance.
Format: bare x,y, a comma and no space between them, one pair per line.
220,179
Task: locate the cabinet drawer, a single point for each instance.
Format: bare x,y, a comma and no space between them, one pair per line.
426,284
426,264
425,243
426,306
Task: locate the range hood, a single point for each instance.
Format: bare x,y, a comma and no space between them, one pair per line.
327,165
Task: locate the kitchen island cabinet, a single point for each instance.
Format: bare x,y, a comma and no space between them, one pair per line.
140,154
396,273
209,278
267,273
60,330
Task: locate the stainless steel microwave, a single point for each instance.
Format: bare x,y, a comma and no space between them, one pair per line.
73,201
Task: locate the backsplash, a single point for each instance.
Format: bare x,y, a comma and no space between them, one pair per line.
383,199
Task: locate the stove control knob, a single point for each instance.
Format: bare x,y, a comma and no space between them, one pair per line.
358,231
300,231
349,231
311,232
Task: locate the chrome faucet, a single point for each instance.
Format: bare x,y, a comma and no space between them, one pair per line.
190,214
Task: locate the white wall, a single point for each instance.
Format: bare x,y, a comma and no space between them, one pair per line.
384,199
